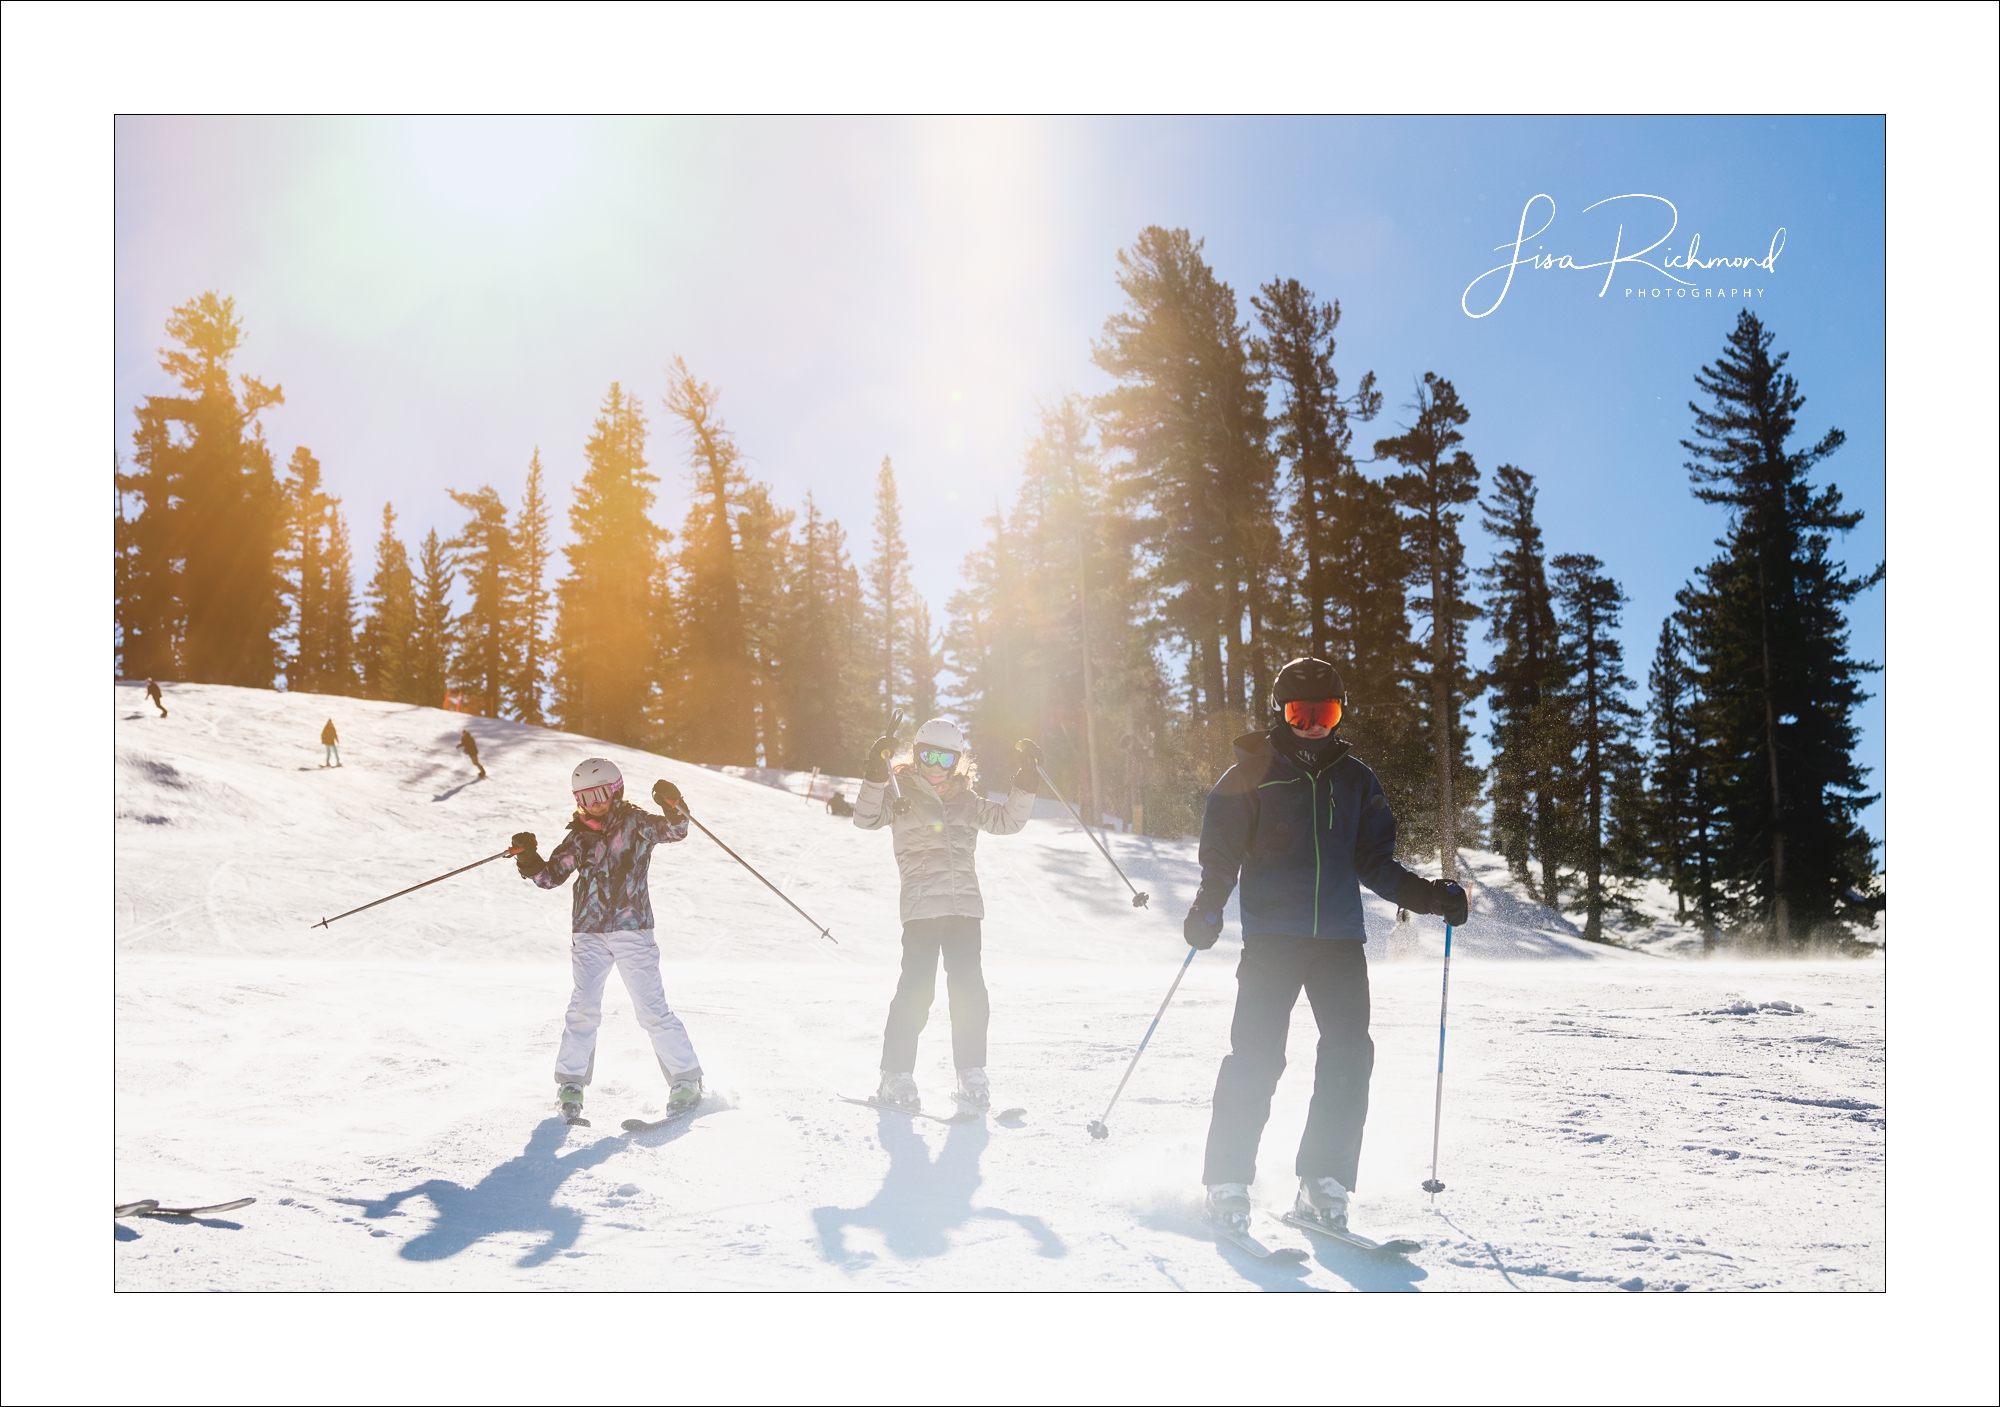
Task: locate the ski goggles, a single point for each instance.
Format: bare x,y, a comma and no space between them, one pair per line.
1313,713
940,757
599,796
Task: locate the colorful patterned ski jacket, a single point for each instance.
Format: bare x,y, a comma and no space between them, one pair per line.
1303,842
610,868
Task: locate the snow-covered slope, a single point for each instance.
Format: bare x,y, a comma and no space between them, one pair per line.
382,1085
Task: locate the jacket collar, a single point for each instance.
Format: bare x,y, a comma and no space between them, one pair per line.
1259,749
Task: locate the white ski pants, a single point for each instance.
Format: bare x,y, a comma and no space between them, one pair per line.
637,958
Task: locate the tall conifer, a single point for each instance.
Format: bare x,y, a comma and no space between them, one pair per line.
486,636
1438,477
607,646
431,644
1772,640
532,602
1603,758
387,633
891,598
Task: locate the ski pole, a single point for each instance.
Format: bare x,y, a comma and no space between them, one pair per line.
1437,1109
413,888
1097,1127
1139,897
766,883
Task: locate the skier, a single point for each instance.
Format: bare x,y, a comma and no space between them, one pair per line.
153,693
470,748
935,815
609,846
330,739
1302,857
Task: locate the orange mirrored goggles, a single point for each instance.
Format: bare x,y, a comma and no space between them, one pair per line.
1313,713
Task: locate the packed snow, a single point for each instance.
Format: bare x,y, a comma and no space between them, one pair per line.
1613,1118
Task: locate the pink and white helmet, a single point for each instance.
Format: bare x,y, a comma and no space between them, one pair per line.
596,780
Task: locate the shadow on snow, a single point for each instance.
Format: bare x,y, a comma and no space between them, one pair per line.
519,1195
920,1201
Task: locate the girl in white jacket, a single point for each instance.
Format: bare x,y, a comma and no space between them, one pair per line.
931,803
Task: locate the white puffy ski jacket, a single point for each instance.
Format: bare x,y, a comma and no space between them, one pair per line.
934,838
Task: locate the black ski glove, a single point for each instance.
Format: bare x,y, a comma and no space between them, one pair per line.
1029,777
876,768
1432,896
667,797
1451,902
525,859
1201,928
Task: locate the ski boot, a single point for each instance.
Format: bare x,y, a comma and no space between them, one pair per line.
569,1103
1322,1201
685,1093
899,1090
1228,1206
973,1091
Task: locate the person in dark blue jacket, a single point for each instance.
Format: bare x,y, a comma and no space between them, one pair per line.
1304,824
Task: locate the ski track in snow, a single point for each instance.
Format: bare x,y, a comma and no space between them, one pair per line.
1613,1119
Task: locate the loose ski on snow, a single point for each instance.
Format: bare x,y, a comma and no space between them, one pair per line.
964,1116
1398,1246
576,1121
652,1125
151,1207
1282,1255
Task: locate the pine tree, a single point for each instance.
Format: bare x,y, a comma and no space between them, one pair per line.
763,556
1440,476
717,713
1314,433
485,633
431,643
607,641
532,603
387,633
303,568
1601,720
1772,640
1188,414
891,598
1527,683
202,591
341,670
1682,765
827,684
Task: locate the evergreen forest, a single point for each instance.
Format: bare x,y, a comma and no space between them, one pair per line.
1233,500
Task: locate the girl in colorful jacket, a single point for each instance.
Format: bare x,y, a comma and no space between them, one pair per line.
609,845
931,804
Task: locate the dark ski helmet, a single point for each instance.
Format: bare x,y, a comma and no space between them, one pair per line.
1307,678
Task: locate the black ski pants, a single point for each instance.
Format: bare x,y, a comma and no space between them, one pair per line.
1334,974
924,940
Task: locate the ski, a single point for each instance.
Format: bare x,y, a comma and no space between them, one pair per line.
153,1208
1398,1246
962,1117
576,1121
1008,1116
1282,1255
652,1125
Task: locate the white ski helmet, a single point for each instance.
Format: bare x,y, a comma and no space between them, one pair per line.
596,780
938,733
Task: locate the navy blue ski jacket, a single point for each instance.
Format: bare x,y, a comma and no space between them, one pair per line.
1303,843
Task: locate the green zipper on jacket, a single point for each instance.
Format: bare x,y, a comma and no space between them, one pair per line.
1313,782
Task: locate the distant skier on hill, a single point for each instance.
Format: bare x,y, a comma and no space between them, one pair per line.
153,693
470,748
935,816
609,846
330,740
1303,855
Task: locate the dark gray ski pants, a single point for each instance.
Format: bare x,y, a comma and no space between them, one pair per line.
924,939
1334,974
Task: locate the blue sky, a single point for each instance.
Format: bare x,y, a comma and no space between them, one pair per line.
441,296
